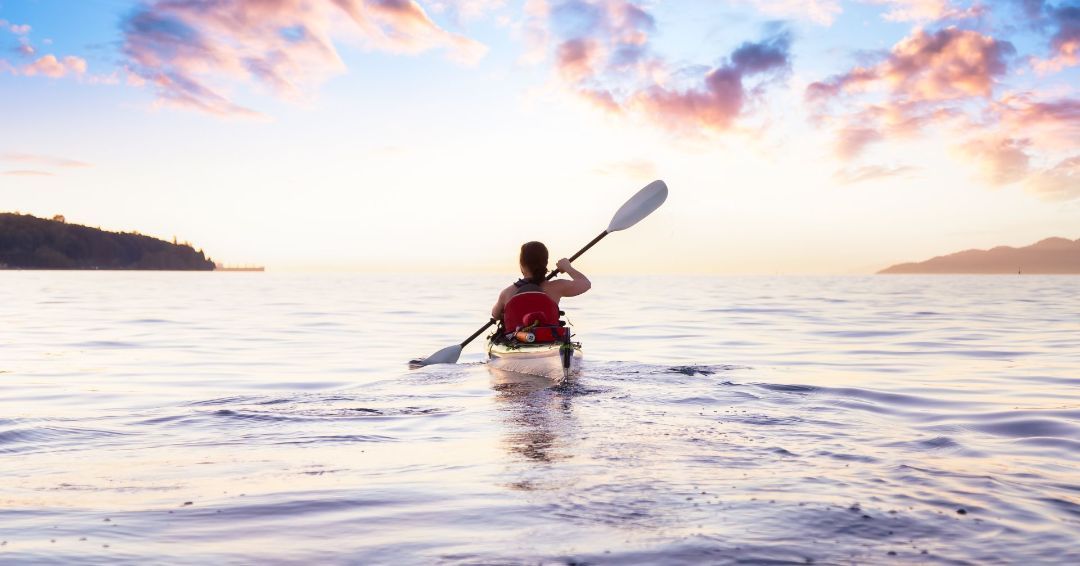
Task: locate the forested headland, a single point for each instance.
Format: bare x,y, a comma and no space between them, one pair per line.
29,242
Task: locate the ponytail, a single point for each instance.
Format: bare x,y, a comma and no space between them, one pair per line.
534,258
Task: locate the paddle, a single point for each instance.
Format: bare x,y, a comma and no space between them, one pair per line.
633,211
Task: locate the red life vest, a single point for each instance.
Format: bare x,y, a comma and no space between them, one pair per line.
535,310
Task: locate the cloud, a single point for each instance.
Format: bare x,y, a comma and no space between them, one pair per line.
851,176
632,168
928,10
1059,183
47,161
17,29
1007,161
947,64
851,141
1001,161
1055,121
946,81
1065,42
192,51
822,12
926,80
466,9
27,173
52,67
723,95
601,50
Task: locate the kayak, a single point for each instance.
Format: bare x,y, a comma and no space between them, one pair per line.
543,359
531,338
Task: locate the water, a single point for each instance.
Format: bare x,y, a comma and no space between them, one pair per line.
244,418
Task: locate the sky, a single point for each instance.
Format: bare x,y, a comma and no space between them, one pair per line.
796,136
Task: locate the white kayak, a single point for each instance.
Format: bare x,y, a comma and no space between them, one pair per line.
544,360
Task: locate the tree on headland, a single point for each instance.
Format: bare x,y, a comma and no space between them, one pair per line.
28,242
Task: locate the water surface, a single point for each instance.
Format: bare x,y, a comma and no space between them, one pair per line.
246,417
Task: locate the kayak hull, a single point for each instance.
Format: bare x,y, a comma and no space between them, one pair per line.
544,360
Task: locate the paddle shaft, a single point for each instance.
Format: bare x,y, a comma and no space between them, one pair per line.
550,276
555,272
478,332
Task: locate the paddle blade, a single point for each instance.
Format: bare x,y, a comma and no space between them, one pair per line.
639,206
448,355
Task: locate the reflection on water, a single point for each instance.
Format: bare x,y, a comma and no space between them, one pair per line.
242,418
538,415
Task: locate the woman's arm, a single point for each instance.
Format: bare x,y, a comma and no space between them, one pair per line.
578,283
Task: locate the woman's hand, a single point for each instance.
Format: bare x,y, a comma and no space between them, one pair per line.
563,265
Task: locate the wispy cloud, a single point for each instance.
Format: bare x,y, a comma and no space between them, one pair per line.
640,169
925,11
27,173
193,51
1058,183
464,10
853,175
1000,161
42,160
822,12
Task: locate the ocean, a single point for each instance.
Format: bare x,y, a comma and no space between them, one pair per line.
243,418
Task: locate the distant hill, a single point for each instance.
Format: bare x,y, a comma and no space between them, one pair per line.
28,242
1049,256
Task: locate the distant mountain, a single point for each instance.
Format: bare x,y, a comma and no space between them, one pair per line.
1049,256
28,242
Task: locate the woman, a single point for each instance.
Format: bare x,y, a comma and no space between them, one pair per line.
533,261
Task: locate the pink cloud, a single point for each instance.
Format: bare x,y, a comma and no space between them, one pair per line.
1065,43
52,67
576,59
945,81
1024,111
724,92
193,51
1058,183
43,160
602,51
947,64
17,29
27,173
851,141
1001,161
1029,133
870,173
928,10
924,81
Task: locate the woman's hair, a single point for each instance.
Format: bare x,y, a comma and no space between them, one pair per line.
534,258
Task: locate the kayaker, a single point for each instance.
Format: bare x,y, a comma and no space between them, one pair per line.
533,262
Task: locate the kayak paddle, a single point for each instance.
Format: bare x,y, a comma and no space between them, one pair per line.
633,211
